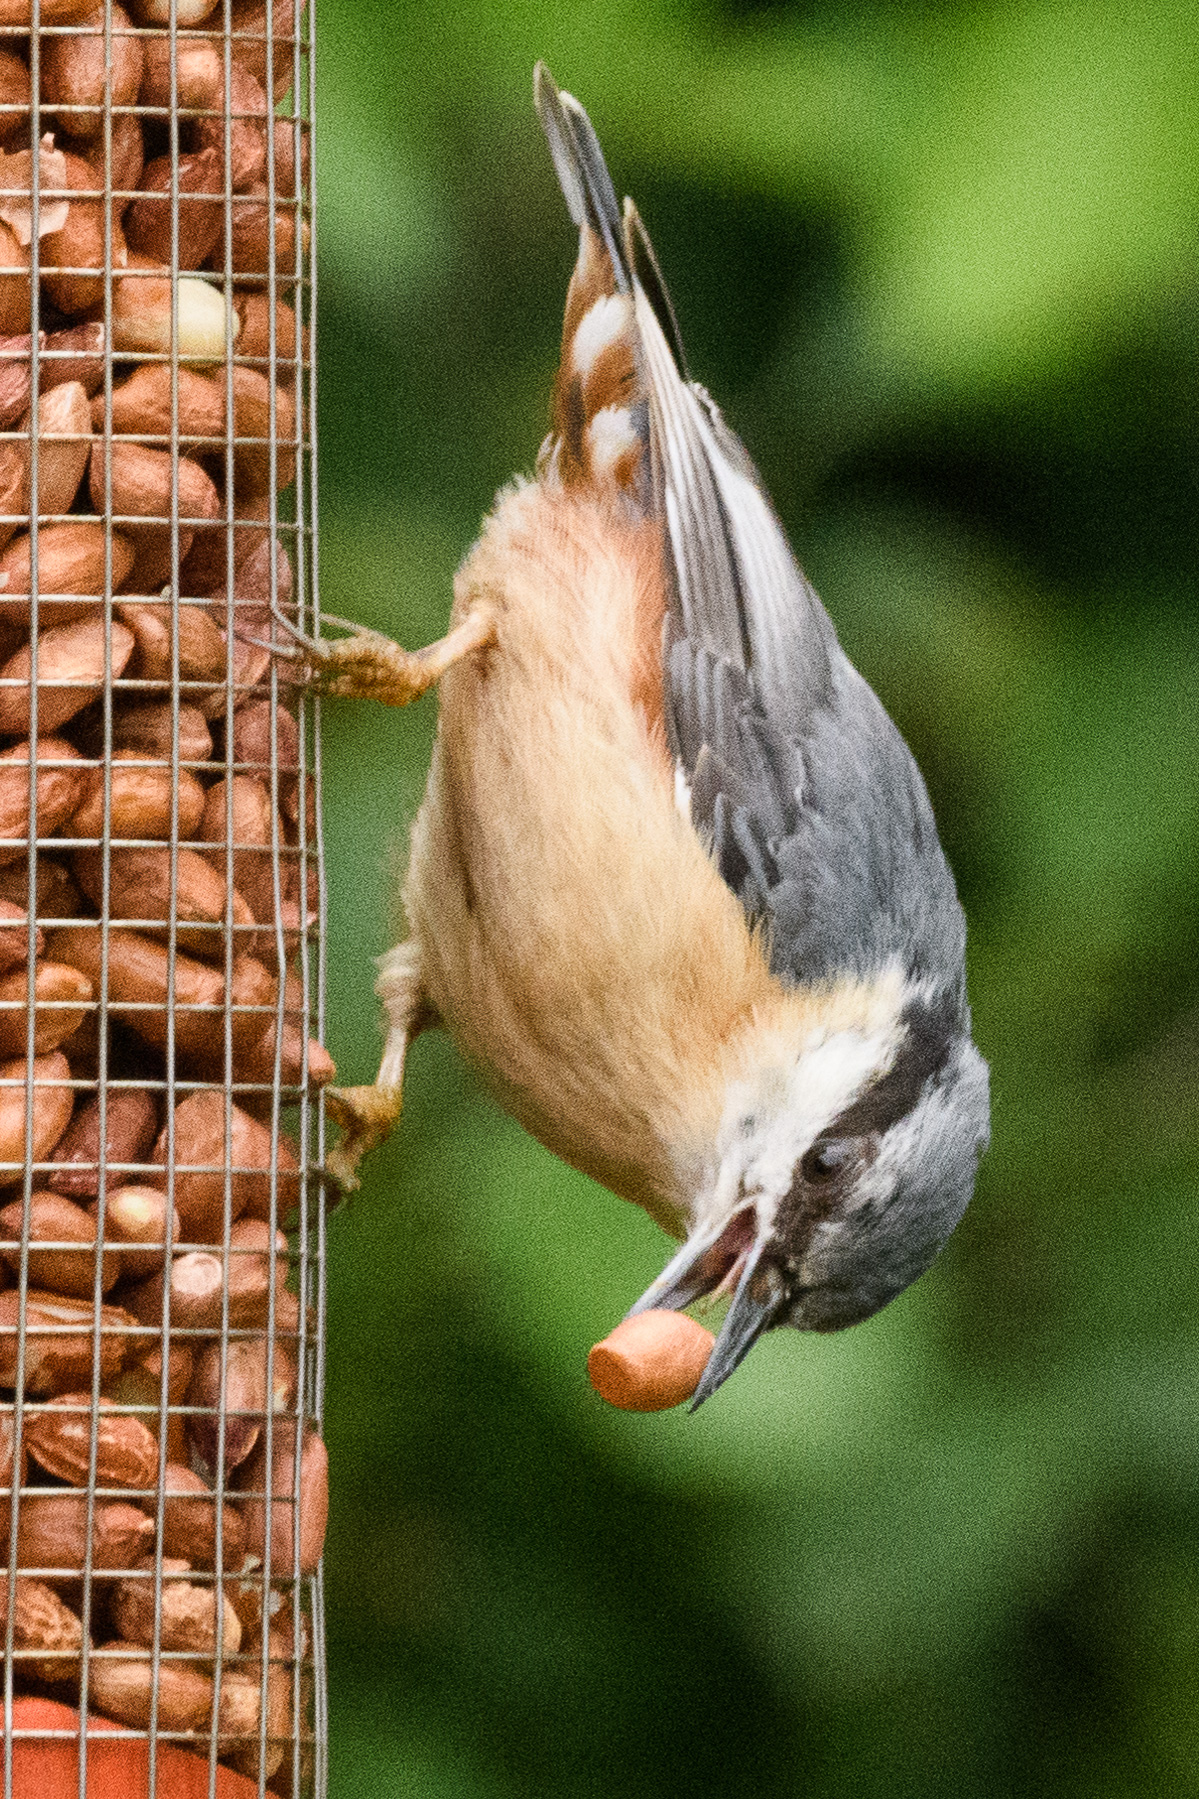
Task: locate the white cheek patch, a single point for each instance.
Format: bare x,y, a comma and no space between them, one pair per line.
600,326
610,435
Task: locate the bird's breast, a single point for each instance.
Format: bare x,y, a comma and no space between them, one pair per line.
576,936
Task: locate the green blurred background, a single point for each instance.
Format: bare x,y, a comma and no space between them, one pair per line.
938,264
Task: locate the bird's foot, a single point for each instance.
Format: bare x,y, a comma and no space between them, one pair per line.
367,665
367,1116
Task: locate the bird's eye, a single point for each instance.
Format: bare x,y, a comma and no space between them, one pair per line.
826,1160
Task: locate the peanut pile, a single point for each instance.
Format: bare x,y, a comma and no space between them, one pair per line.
162,1488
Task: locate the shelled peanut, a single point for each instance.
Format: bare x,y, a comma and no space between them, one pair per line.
154,999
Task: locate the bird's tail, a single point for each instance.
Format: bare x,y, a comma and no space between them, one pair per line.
582,173
601,424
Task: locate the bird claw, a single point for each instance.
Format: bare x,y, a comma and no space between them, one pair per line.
364,664
367,665
367,1116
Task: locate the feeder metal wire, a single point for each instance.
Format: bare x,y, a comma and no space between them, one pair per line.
298,1595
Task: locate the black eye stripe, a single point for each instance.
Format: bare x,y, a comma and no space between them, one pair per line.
928,1035
852,1140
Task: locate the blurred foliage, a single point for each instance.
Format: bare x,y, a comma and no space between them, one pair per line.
938,262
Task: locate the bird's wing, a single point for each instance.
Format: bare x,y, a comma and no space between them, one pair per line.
797,778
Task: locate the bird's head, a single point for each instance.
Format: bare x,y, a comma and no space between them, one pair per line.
840,1170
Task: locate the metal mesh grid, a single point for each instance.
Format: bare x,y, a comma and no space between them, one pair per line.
161,912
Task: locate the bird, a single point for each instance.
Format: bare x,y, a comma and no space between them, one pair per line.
675,886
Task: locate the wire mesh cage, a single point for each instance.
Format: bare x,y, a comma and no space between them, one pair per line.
162,1476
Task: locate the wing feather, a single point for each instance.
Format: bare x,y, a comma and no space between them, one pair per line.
812,805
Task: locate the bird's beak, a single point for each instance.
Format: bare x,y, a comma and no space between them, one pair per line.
699,1267
757,1303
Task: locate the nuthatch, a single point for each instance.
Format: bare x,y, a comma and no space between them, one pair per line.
675,885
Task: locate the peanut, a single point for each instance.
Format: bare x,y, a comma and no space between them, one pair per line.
55,894
56,791
59,1438
287,162
198,70
200,214
139,1384
190,1617
142,981
238,1399
148,728
73,662
130,1125
650,1362
58,1221
64,431
254,45
128,160
196,1289
19,13
261,240
123,1683
239,1719
258,729
47,1101
77,79
146,884
14,935
71,560
257,1264
140,483
143,1222
16,191
250,662
140,801
59,1002
140,1381
76,354
298,1053
52,1534
205,569
47,1636
59,1347
200,1162
141,405
142,314
189,1521
15,94
8,1456
16,381
186,13
16,288
254,340
247,130
80,244
238,812
255,471
189,646
289,1503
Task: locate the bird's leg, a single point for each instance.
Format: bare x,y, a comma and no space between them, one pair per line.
367,1115
367,665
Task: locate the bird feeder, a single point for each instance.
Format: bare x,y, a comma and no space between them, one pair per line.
162,1475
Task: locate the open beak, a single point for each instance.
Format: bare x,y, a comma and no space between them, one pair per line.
699,1267
757,1304
703,1264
